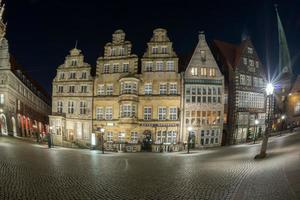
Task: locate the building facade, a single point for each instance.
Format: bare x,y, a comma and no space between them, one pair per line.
24,105
245,82
293,107
203,110
72,96
138,110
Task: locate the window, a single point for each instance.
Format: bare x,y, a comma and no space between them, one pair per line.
148,88
134,137
129,88
162,113
125,67
245,61
160,138
248,80
203,71
99,113
255,82
83,89
59,106
173,113
250,50
71,107
171,137
170,66
72,75
108,113
71,89
297,108
149,66
62,76
163,88
154,50
101,90
115,68
60,89
159,66
109,89
173,88
83,108
257,64
242,79
122,51
147,113
109,136
212,72
83,75
128,110
73,62
122,137
251,62
194,71
164,50
106,69
113,52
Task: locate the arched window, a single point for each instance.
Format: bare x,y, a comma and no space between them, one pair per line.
297,108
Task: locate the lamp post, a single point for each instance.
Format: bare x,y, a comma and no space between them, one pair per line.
269,93
102,138
282,123
189,138
255,132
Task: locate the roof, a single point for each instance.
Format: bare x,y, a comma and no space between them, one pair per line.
15,67
231,52
296,86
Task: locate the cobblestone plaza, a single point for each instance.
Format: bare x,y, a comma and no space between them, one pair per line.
32,171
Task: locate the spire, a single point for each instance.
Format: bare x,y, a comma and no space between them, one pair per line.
1,10
284,53
201,35
76,43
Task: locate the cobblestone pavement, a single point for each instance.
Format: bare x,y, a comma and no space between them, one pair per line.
31,171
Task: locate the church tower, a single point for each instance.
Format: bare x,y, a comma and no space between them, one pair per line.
4,48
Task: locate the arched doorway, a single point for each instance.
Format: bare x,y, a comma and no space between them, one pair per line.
147,141
14,126
3,125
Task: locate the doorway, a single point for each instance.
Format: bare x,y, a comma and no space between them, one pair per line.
147,141
3,125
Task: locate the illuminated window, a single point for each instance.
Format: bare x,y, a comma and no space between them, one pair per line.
194,71
134,137
203,71
1,98
250,50
109,136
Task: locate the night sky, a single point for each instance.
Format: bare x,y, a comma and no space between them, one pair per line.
41,32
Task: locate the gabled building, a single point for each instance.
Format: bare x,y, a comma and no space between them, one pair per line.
203,107
244,94
72,95
160,94
24,104
116,95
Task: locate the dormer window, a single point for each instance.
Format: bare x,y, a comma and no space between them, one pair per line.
113,52
154,50
74,62
164,50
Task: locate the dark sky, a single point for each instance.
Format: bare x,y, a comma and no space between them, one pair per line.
41,32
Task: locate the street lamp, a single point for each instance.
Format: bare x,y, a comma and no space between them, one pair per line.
102,138
189,138
269,93
255,133
282,122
